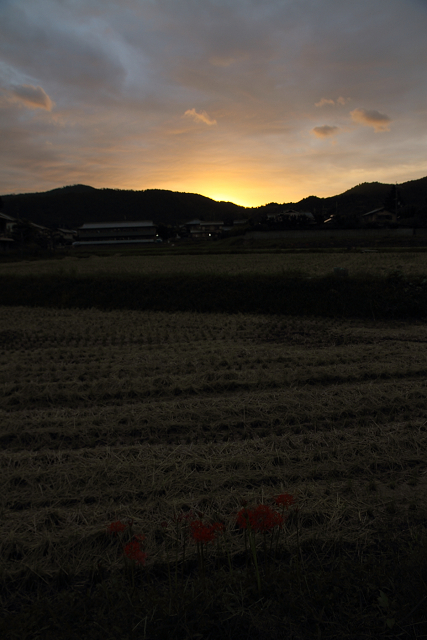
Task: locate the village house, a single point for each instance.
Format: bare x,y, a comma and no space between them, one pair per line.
23,231
199,229
235,224
6,227
290,216
381,217
111,233
7,224
64,236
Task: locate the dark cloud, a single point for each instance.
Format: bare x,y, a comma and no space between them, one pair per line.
49,41
32,97
325,131
371,118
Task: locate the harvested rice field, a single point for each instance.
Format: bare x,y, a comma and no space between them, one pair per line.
125,415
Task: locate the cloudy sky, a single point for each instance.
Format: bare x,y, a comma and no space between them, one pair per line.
251,101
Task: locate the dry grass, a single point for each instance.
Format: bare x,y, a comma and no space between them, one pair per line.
312,264
118,415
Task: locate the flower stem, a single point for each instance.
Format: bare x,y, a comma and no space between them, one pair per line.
254,556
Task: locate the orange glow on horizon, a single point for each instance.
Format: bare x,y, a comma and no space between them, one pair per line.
256,194
227,196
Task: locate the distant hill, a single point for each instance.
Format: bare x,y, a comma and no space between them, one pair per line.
71,206
372,195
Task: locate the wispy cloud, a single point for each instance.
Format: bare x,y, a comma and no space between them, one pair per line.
371,118
324,101
200,117
325,131
339,100
32,97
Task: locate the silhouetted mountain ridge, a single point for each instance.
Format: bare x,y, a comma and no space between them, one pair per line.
73,205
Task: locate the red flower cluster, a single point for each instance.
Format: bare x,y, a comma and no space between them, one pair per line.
261,519
284,500
205,533
134,552
116,527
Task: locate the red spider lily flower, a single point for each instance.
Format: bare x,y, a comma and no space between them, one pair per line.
243,518
205,533
218,526
201,532
133,551
116,527
284,500
164,524
261,519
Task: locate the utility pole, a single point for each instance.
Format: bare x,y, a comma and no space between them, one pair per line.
395,201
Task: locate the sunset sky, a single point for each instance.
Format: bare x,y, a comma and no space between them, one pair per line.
251,101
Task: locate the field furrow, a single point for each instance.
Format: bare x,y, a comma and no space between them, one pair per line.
140,415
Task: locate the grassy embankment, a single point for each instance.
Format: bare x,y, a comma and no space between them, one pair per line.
380,285
121,414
